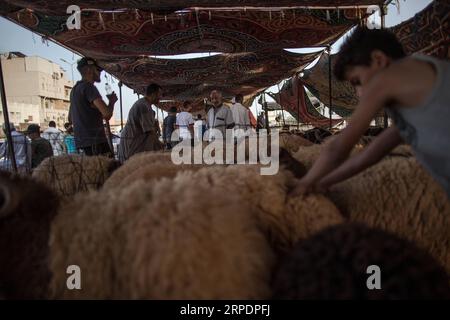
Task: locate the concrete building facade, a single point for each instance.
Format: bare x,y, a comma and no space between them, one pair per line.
37,91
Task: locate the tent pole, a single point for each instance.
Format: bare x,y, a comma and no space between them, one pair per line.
266,112
383,26
330,106
6,118
298,104
282,110
121,110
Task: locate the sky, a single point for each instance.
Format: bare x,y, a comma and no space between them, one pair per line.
16,38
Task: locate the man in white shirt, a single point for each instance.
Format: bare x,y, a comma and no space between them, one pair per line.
55,137
185,122
240,117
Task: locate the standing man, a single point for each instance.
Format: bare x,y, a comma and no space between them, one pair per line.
55,137
169,127
40,148
88,110
22,151
240,117
185,122
199,126
140,132
219,117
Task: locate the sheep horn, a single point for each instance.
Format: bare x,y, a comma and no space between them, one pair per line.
8,201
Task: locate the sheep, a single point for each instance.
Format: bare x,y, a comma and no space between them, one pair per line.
155,165
245,178
226,227
334,264
292,142
27,208
308,155
70,174
399,196
155,248
133,164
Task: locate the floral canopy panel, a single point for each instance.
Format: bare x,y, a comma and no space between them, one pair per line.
245,73
316,80
250,35
428,32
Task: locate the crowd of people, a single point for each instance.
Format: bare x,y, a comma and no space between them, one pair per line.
87,131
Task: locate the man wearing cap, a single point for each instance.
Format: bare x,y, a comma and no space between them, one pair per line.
40,147
88,110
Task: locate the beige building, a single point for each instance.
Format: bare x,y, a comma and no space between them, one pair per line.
37,91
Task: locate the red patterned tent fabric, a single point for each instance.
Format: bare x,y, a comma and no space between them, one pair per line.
59,7
123,34
245,73
136,33
428,32
293,98
316,80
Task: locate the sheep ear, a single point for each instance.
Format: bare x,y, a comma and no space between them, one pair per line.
292,164
8,201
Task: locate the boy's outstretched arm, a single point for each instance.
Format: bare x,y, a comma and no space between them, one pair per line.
373,153
376,95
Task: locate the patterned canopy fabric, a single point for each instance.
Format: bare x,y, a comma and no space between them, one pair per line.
245,73
123,35
428,31
316,80
136,33
59,7
292,97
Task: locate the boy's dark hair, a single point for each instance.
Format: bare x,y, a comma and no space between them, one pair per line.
199,117
52,124
358,47
239,98
152,88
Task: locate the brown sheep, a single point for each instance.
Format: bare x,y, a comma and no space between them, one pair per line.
333,264
27,208
155,248
398,195
70,174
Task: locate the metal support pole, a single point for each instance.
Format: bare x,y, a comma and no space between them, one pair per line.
6,119
330,106
298,104
383,26
282,111
120,100
266,112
